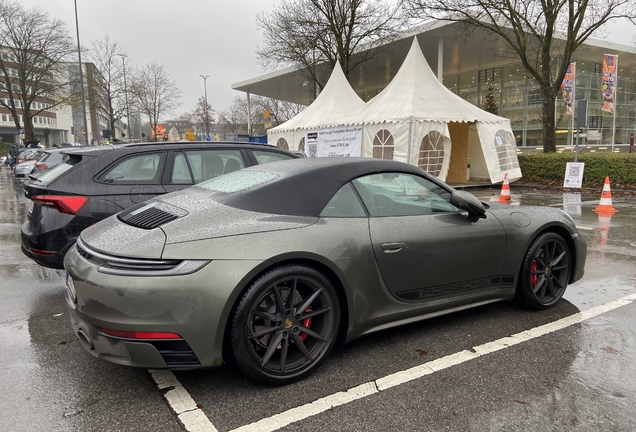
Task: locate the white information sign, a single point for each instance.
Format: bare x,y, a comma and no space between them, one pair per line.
342,141
594,135
574,175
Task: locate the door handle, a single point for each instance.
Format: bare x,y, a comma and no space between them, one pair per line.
393,247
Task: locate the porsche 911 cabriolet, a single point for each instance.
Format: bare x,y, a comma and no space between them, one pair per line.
271,265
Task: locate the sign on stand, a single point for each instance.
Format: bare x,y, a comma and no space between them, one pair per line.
574,174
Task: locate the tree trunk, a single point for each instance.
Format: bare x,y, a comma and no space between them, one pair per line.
29,130
547,117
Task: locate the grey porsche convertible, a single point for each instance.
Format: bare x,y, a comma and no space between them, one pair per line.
270,266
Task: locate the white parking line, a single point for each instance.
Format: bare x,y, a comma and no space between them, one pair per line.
191,416
195,420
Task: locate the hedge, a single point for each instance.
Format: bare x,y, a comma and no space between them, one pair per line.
549,168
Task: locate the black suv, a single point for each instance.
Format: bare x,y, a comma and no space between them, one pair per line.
93,183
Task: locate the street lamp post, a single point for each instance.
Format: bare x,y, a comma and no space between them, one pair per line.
123,60
79,55
207,120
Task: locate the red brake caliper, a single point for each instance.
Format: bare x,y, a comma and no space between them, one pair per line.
533,277
306,323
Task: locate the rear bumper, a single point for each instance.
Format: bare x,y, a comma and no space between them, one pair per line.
56,242
156,353
195,306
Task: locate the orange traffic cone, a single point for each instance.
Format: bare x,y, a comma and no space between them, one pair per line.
605,205
504,197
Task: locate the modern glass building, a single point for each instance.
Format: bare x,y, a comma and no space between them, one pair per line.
476,65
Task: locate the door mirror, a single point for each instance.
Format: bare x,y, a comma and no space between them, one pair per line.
468,202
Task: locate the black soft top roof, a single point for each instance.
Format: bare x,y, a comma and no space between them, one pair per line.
305,186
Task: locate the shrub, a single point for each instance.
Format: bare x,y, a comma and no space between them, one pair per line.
550,168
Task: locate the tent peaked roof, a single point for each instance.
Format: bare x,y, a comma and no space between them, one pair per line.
416,94
336,101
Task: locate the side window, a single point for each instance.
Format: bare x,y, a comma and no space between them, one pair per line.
180,171
344,204
402,194
207,164
263,157
140,168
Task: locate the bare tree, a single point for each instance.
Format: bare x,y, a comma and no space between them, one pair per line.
155,92
543,34
109,90
280,111
235,118
197,117
32,77
302,33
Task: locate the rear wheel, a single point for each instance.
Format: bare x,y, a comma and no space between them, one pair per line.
545,272
285,325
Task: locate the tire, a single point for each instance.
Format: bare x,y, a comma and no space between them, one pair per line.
285,325
544,273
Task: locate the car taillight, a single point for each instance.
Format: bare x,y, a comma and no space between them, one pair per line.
63,204
140,335
41,166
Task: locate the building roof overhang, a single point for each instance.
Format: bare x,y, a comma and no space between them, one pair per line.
461,54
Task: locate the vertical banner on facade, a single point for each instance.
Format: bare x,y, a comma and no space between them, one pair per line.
567,87
608,86
342,141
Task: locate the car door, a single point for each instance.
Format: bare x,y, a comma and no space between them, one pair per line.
427,249
191,166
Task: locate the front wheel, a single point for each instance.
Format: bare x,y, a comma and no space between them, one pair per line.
545,272
285,325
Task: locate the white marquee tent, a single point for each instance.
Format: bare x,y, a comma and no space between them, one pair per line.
336,102
416,119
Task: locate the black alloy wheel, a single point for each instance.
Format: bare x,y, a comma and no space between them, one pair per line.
545,272
285,325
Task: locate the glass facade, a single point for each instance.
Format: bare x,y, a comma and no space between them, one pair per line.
518,97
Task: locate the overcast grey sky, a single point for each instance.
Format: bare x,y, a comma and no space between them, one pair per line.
191,38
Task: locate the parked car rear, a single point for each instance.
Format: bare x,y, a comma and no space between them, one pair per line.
30,154
50,158
22,170
92,183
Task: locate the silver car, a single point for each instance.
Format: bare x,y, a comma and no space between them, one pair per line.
271,265
24,169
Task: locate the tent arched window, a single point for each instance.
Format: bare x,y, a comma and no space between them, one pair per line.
431,154
506,150
282,143
301,145
383,145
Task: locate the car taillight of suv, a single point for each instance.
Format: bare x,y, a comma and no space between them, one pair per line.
64,204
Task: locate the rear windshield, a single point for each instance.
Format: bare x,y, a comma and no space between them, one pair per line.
67,163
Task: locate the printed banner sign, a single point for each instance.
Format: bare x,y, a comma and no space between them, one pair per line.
342,141
608,86
574,175
567,88
160,129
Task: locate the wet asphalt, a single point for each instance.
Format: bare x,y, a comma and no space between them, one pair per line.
580,378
